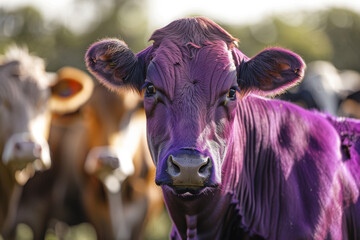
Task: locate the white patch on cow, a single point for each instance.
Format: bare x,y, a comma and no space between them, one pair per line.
33,66
117,214
127,141
100,161
112,183
27,157
126,162
131,99
22,176
39,128
8,152
216,146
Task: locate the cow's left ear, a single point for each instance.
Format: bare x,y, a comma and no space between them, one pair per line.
271,71
115,65
71,89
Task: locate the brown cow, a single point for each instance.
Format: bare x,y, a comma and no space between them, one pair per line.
28,95
73,191
130,198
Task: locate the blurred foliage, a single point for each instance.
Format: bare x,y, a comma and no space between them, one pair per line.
159,228
60,45
343,27
332,35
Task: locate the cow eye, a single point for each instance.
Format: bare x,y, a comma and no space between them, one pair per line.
232,93
150,90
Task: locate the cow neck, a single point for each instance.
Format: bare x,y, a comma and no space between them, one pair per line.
246,203
249,198
9,201
199,218
209,215
7,184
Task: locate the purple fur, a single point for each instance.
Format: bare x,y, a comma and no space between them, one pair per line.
277,171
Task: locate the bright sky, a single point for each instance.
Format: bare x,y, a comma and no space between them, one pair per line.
161,12
237,11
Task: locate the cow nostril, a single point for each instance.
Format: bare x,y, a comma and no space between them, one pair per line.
188,169
205,166
113,162
173,166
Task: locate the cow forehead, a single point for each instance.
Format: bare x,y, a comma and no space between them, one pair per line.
210,67
22,85
19,64
22,96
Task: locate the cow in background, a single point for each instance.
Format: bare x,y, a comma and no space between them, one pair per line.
87,175
28,95
350,106
324,88
350,101
129,196
231,163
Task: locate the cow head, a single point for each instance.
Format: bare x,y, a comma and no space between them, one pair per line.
26,90
193,77
112,164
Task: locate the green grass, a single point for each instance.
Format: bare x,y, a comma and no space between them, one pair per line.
157,229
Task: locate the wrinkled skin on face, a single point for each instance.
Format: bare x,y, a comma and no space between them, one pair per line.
195,111
192,82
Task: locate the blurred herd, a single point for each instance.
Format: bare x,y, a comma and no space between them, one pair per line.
73,153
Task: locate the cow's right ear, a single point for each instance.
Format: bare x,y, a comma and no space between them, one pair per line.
115,65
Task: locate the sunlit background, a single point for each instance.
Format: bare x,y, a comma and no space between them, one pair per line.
61,31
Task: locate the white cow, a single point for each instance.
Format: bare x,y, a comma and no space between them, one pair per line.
28,96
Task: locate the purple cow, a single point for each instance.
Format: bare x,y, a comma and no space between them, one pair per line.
231,163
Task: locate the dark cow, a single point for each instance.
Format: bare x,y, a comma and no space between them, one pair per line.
350,106
325,88
320,88
28,95
231,163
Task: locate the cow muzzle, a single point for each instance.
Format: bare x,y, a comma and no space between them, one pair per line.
189,169
110,168
23,156
20,150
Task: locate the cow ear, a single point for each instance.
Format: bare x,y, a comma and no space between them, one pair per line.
71,89
115,65
271,71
